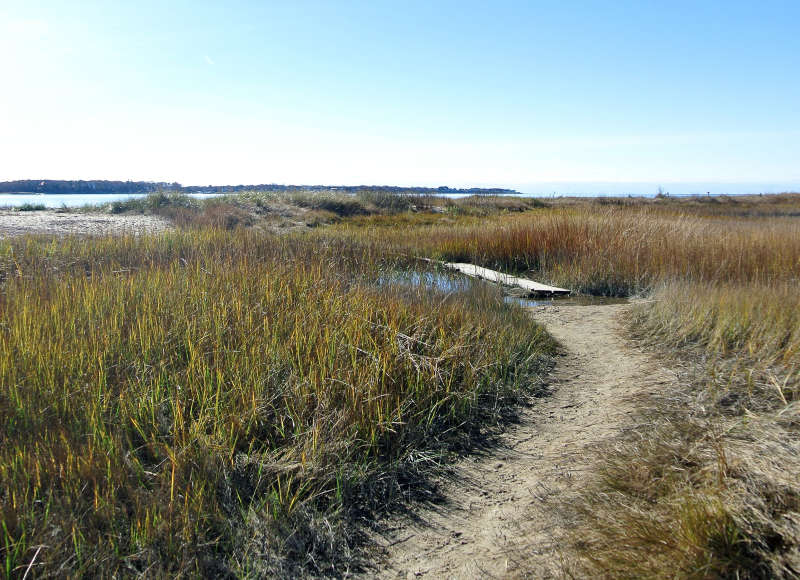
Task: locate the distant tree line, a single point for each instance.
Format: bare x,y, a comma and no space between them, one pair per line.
61,186
395,189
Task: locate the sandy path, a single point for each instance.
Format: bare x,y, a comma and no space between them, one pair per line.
60,223
498,517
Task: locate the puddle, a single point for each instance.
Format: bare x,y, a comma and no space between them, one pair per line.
455,282
439,281
576,300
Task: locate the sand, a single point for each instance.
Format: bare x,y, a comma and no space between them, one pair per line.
61,223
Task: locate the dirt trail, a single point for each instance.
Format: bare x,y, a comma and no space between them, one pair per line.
497,517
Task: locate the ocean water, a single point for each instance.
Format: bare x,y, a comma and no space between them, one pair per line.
55,200
78,200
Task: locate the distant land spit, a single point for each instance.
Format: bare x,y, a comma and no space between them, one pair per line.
62,187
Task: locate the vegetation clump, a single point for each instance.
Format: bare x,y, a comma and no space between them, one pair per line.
313,207
31,207
156,203
213,402
720,458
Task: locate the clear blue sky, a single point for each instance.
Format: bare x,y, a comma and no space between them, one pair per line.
428,93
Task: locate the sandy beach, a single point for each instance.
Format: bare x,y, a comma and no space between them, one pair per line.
60,223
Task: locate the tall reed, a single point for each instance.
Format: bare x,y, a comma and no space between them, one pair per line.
614,250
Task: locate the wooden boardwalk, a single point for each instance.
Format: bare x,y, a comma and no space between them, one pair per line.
506,279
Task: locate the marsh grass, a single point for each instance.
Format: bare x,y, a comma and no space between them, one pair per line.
314,208
706,485
212,403
751,331
157,203
221,401
601,250
32,207
619,252
743,206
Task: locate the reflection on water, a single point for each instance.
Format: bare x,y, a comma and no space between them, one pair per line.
440,281
57,200
571,300
454,282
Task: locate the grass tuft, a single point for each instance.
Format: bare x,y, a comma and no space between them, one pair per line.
31,207
706,486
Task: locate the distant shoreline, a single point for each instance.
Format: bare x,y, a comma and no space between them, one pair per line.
69,187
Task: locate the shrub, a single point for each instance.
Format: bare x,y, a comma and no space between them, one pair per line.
32,207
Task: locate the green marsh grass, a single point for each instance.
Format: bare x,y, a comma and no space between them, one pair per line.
754,326
32,207
313,207
211,403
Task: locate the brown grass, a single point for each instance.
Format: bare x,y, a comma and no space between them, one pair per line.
607,250
707,486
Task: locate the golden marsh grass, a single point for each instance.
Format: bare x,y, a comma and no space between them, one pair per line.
162,396
211,402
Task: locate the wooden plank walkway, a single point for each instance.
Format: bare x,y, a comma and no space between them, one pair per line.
506,279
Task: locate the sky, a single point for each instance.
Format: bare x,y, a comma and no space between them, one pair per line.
532,95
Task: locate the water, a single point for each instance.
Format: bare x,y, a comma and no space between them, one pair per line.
55,200
553,195
439,281
570,300
452,282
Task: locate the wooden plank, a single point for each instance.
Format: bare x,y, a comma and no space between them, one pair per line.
506,279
